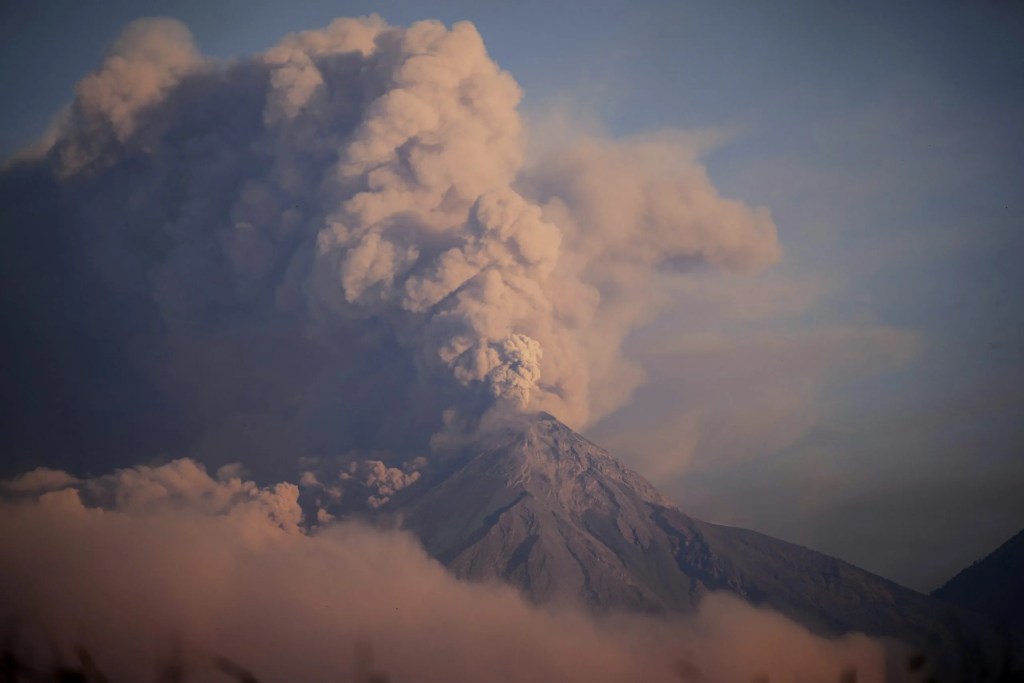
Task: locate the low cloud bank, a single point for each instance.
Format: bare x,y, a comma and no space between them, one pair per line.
134,564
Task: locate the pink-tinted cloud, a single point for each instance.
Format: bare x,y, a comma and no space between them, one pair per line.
220,565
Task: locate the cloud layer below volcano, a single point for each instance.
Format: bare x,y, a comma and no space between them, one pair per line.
128,563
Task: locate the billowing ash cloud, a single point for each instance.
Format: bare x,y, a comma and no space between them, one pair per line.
312,240
361,483
133,565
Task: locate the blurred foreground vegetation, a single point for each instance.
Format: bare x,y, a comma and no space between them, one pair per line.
17,667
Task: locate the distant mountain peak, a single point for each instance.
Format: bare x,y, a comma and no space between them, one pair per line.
993,586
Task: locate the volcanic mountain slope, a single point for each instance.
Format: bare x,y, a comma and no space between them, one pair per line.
994,586
542,508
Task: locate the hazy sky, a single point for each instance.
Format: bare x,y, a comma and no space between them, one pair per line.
864,396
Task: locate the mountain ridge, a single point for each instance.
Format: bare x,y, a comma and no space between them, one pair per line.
540,507
992,586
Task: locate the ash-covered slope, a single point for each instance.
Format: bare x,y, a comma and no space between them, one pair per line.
542,508
994,586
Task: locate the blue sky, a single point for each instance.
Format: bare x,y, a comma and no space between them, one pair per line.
864,396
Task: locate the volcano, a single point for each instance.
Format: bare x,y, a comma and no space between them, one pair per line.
538,506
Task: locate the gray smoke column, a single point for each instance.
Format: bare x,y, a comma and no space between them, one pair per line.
366,182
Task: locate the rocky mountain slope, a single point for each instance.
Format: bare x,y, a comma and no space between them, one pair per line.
538,506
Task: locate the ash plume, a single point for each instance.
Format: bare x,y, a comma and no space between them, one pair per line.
327,245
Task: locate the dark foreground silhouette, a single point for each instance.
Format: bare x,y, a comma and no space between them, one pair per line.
18,668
